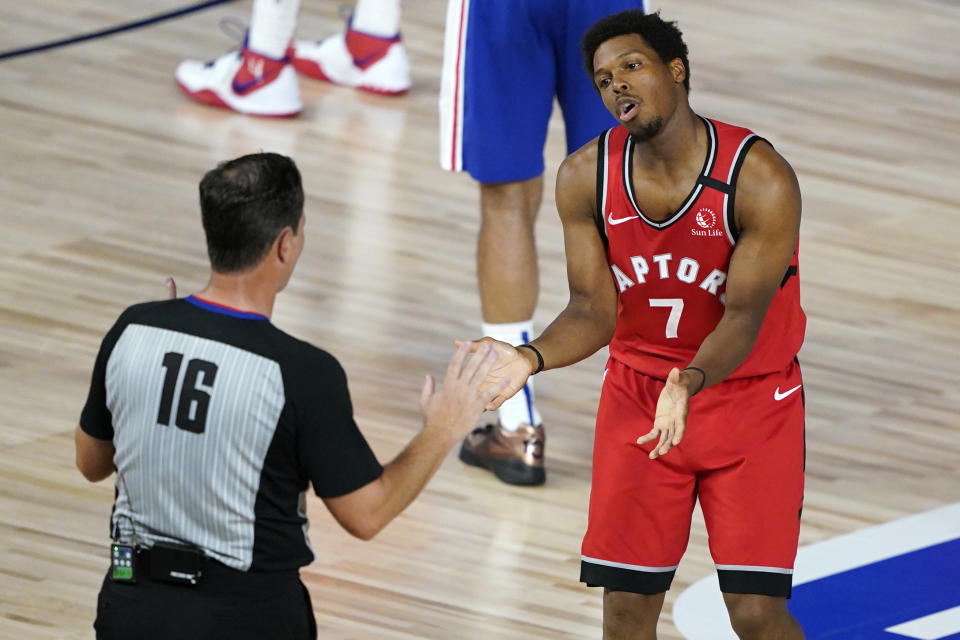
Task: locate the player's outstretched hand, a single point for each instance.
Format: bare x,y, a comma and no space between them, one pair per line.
510,365
171,288
454,406
670,421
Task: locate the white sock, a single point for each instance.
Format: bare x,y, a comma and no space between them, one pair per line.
272,26
519,409
379,18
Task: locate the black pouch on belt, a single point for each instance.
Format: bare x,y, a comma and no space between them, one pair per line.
171,562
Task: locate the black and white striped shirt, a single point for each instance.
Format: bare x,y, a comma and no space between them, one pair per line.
219,421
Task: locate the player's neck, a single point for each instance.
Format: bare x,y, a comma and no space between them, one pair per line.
679,142
248,291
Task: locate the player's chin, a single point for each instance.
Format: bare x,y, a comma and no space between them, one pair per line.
641,131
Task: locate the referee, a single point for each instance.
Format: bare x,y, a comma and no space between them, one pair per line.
216,421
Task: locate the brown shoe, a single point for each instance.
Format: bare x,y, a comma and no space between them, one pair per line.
515,458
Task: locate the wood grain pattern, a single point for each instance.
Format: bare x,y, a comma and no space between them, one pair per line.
101,157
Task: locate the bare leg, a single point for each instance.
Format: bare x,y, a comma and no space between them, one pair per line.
757,617
630,616
506,251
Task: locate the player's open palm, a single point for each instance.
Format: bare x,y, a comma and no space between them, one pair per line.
510,366
670,421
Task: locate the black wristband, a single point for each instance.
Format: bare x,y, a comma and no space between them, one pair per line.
539,357
703,379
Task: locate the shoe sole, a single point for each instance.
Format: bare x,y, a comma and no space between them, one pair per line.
313,70
210,98
382,92
513,472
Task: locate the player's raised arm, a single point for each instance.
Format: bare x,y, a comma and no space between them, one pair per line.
587,322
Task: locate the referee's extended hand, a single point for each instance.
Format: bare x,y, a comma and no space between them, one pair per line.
670,421
454,406
510,365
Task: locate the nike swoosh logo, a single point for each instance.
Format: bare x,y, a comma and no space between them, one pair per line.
615,221
780,396
242,87
361,62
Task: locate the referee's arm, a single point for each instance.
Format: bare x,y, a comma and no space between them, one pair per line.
94,456
449,413
94,434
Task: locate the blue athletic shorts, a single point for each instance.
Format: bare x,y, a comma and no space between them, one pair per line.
504,61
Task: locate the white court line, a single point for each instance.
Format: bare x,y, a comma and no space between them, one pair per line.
931,627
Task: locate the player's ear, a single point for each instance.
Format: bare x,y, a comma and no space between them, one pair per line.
678,70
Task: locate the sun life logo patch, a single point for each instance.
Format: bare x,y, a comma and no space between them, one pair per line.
707,221
706,218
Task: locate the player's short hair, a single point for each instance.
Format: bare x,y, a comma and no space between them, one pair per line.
245,203
662,36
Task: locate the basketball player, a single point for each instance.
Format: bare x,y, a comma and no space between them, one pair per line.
216,422
681,237
261,79
504,62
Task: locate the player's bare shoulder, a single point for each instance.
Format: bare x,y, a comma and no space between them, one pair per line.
767,189
577,183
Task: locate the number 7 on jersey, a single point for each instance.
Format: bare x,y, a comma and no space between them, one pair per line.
676,309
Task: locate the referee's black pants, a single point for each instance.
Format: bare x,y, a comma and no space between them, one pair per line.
227,604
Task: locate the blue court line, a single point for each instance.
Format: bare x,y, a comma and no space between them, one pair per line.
861,603
127,26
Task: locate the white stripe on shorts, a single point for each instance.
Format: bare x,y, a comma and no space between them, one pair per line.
633,567
745,567
451,85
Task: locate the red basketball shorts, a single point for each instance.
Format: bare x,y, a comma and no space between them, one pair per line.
742,456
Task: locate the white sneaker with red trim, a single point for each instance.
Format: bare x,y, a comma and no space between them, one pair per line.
358,60
243,81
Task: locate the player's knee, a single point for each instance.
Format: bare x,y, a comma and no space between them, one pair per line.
630,616
505,215
510,203
751,615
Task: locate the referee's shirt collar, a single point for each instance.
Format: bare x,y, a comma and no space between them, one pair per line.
224,309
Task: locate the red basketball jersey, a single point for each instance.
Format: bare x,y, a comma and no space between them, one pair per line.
671,275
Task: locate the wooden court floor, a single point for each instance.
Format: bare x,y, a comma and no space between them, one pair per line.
99,160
